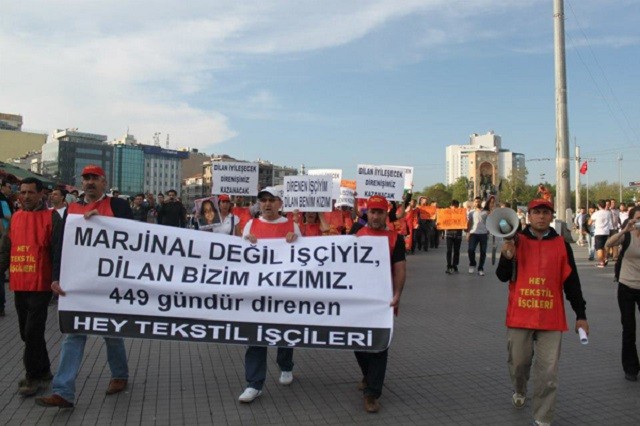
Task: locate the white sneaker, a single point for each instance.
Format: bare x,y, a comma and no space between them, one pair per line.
481,272
472,269
249,395
286,378
518,400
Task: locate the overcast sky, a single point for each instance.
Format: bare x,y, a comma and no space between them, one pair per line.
330,84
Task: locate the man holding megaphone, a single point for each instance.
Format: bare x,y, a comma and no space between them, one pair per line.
544,268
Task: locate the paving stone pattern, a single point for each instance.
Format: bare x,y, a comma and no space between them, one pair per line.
447,366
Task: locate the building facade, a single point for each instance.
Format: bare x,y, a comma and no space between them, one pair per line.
162,169
128,166
70,151
15,143
483,162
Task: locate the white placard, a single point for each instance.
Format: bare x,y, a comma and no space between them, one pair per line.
336,174
347,197
408,176
387,181
307,193
234,178
150,281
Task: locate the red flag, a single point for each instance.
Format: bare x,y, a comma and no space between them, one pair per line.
583,168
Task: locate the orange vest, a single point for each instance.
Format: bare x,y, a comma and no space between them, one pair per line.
271,230
31,268
103,206
536,297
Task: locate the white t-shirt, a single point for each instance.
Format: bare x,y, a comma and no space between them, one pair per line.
603,222
478,220
227,225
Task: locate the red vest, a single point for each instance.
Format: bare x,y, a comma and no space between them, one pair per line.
243,214
271,230
335,220
310,229
30,268
103,206
536,297
392,236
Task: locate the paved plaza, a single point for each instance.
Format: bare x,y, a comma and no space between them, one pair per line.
447,366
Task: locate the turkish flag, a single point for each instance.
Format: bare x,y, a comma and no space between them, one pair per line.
583,168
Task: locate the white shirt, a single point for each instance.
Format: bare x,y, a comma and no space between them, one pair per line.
478,219
603,222
226,226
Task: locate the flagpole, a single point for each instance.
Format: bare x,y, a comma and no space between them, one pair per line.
587,177
577,177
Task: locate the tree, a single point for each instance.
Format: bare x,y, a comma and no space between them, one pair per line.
459,189
515,190
439,193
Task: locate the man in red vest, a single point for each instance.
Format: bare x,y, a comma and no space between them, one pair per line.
94,184
545,268
269,225
374,364
28,252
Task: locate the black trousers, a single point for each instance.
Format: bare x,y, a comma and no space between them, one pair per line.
374,367
32,308
453,251
628,299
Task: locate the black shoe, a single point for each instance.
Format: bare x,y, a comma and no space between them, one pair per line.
2,312
455,269
631,377
449,271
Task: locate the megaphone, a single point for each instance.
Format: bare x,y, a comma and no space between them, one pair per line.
503,223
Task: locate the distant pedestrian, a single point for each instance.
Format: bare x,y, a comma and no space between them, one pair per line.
454,240
603,224
173,212
477,234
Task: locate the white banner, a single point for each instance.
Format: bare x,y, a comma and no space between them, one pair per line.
307,193
151,281
234,178
387,181
336,174
347,197
408,176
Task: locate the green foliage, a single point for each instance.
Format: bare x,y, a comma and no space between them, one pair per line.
604,191
459,189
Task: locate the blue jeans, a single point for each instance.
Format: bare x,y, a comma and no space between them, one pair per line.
255,364
64,382
591,245
474,239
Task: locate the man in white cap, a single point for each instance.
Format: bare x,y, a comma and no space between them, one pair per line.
270,224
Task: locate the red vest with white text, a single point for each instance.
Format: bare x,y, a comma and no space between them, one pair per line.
103,206
536,297
30,268
271,230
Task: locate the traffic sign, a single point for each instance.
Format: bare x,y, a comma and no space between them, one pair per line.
636,183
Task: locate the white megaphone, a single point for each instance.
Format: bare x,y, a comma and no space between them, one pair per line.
503,223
